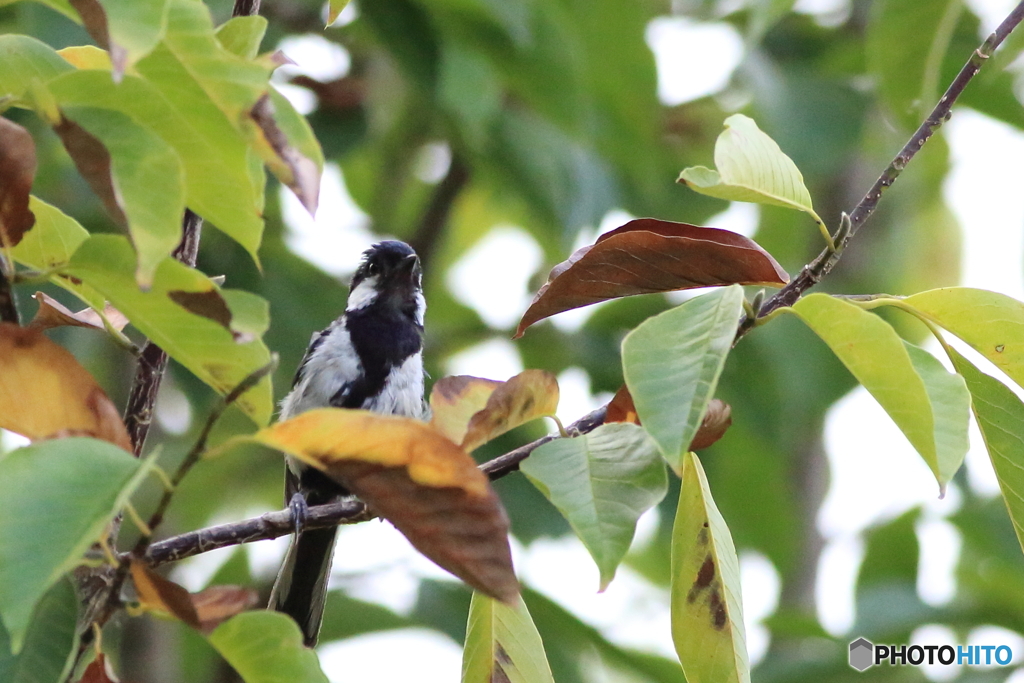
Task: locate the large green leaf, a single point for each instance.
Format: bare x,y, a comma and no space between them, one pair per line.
751,168
266,647
220,186
202,344
57,498
62,6
242,35
672,362
26,59
1000,416
872,351
990,322
148,183
502,644
707,613
135,25
49,648
601,482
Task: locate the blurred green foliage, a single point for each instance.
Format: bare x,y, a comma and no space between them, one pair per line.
551,108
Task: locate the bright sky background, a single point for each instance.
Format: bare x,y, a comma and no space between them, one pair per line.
378,564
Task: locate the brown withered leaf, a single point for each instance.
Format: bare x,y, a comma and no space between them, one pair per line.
52,314
93,162
417,479
525,397
45,393
717,420
17,171
302,175
157,594
99,671
94,18
646,256
621,408
217,604
454,400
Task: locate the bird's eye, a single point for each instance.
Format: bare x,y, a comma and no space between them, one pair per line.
371,268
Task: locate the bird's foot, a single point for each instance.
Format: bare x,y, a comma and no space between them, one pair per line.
300,510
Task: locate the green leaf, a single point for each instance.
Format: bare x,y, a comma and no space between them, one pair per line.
992,323
502,644
872,351
50,244
751,168
266,647
672,363
134,28
601,482
951,410
1000,416
242,35
217,168
62,6
50,644
148,180
707,614
335,8
57,498
204,346
26,59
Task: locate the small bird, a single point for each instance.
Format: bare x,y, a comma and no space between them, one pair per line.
369,358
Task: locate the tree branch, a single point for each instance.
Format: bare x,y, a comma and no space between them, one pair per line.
431,225
8,309
815,271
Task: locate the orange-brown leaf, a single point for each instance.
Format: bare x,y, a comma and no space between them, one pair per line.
99,671
52,314
157,594
217,604
416,478
45,392
717,420
621,408
454,400
525,397
17,171
649,255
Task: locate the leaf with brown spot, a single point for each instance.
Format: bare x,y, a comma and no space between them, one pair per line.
157,594
454,400
17,171
523,398
503,645
127,29
417,479
217,604
707,614
52,314
209,304
716,421
45,392
93,162
646,256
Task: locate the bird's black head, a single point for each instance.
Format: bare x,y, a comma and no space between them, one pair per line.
389,275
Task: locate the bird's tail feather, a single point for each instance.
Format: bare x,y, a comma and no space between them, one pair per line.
300,590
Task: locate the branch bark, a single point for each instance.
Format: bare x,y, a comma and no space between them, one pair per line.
821,266
8,309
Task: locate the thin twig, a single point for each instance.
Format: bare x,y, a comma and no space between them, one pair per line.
280,523
431,225
813,273
149,372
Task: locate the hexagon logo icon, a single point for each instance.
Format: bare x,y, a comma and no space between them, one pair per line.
861,654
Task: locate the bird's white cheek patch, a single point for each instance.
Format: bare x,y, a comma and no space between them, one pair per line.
363,295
